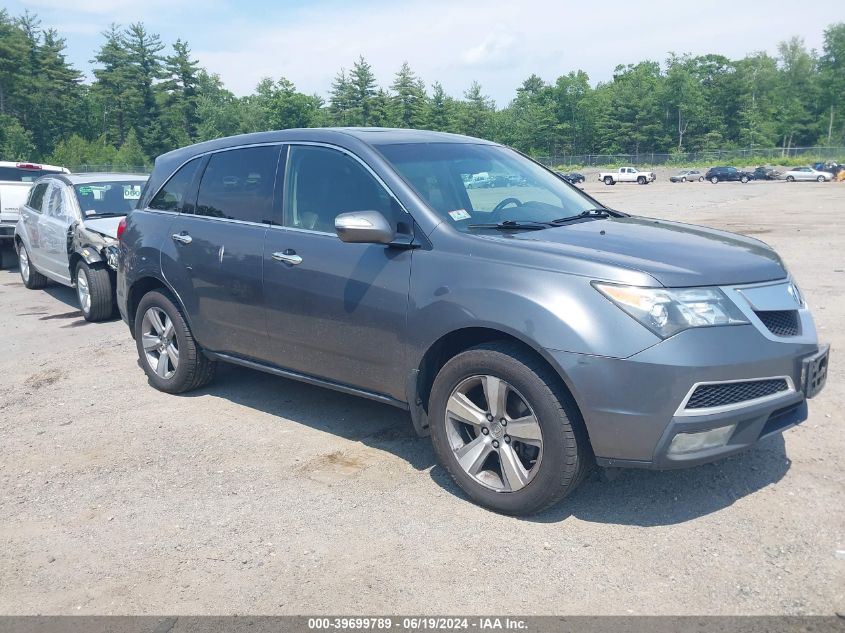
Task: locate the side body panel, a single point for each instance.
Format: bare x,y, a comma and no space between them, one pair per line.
218,277
341,312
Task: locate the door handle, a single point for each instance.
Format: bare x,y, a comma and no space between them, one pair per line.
182,238
289,257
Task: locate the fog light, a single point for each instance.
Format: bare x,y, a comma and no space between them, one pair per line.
691,442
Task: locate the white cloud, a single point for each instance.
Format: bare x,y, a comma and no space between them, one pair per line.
495,42
491,49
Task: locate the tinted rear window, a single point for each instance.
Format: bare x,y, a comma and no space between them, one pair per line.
172,195
16,174
36,196
238,184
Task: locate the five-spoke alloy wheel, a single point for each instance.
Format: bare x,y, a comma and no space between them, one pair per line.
494,433
171,358
158,338
506,429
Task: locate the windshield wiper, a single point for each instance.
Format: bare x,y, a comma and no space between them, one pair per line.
589,213
513,225
104,215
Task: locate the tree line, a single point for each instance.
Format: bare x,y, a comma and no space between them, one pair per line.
146,98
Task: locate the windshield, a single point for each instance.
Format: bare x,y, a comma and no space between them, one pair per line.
108,198
469,184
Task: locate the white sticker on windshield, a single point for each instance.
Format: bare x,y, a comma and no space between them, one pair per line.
459,214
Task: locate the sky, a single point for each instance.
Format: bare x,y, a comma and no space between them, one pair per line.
495,42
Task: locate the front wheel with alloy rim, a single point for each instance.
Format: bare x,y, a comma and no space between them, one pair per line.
94,291
744,179
31,278
171,358
506,430
790,179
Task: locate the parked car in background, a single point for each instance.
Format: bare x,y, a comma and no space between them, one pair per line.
728,174
527,334
687,175
806,173
16,179
627,174
67,232
573,177
830,166
766,173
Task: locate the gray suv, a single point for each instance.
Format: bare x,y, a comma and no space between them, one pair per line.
530,330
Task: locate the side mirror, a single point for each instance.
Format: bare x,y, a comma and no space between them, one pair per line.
364,227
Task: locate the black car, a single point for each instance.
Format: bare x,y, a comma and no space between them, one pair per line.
572,177
766,173
728,174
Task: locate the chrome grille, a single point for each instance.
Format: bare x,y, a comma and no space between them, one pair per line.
722,394
781,322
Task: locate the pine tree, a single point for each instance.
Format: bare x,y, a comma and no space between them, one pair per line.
362,92
408,105
180,93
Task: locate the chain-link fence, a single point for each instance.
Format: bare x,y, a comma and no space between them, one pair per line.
119,169
748,156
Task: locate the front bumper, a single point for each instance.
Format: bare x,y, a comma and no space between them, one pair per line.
633,408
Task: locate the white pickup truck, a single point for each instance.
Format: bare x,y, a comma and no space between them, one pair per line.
15,182
627,174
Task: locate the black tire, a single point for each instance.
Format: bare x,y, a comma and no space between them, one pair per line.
701,179
641,180
101,292
3,258
194,369
608,180
714,179
30,276
819,179
790,179
683,179
566,455
744,179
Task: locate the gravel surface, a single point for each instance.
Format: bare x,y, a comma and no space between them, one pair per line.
265,496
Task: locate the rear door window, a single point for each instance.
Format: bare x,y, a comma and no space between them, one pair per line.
36,196
238,184
171,196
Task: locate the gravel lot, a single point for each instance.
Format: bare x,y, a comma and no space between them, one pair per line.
265,496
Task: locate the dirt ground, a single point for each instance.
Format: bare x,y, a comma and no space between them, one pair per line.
259,495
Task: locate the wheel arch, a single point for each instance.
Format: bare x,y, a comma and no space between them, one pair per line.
449,345
142,286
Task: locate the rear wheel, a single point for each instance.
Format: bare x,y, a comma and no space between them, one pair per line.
820,179
32,279
714,179
171,358
94,291
506,431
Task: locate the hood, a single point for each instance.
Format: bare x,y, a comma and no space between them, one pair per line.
674,254
104,226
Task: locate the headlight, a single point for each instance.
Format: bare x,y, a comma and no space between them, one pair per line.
667,311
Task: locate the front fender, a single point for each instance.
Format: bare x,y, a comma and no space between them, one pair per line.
546,309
